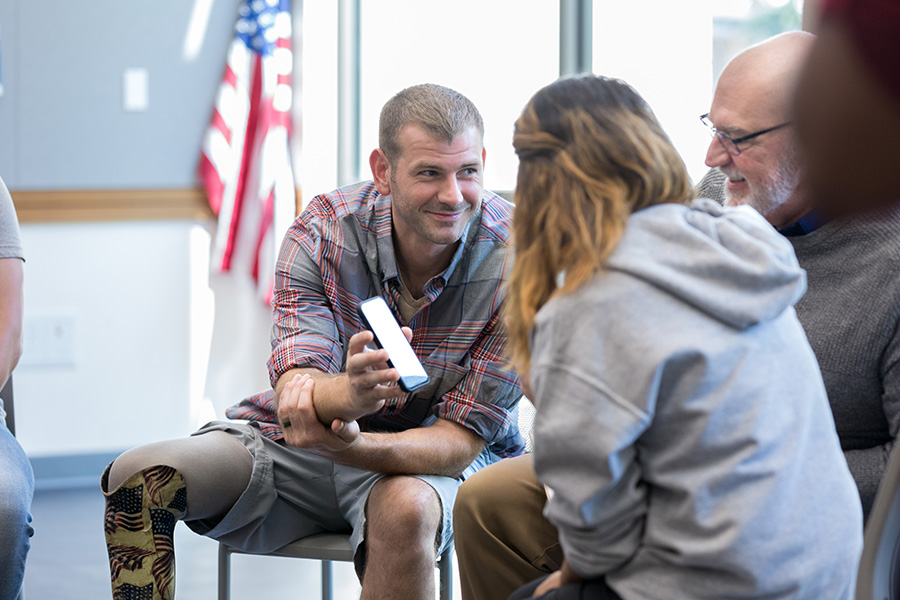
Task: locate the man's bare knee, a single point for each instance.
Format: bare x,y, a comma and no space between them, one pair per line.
403,509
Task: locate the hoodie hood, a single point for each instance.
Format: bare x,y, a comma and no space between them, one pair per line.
727,262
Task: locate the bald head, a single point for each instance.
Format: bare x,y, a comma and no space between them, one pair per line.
764,75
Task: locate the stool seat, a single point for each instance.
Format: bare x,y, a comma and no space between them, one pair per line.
325,547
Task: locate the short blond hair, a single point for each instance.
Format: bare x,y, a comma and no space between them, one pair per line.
440,111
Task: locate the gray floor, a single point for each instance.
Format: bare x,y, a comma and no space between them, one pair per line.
68,559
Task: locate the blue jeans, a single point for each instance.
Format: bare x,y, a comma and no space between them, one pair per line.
16,492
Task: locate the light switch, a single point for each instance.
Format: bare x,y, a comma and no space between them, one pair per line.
136,88
48,339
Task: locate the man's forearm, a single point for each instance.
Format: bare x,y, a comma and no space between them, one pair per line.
331,395
11,315
9,357
444,449
10,351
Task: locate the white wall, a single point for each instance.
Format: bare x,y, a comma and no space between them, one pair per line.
148,364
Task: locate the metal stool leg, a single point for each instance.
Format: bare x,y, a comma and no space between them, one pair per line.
326,580
445,567
224,573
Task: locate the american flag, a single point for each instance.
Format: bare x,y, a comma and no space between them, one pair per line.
246,166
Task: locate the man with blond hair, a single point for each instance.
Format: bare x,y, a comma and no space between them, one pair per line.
336,445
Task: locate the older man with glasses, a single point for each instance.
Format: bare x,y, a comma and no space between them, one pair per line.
754,145
851,310
851,314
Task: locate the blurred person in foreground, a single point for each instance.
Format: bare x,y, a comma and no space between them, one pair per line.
847,105
657,338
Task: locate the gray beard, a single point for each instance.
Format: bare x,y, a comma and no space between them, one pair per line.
767,198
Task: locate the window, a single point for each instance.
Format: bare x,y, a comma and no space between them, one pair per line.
672,55
499,52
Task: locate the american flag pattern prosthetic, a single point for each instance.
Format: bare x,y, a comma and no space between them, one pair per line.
123,510
129,558
131,592
139,523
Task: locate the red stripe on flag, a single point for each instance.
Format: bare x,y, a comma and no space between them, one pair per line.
267,216
212,182
230,77
249,151
219,123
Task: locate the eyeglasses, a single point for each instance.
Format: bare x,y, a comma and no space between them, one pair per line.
732,145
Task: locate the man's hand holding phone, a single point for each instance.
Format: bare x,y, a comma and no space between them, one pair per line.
372,376
388,335
371,379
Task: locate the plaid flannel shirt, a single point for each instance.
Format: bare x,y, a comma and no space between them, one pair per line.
338,252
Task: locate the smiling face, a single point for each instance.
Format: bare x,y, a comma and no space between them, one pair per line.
752,95
435,188
764,176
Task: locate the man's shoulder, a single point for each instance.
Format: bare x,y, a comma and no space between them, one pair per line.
496,217
351,199
847,251
884,223
877,233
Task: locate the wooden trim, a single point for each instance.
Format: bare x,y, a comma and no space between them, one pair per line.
34,206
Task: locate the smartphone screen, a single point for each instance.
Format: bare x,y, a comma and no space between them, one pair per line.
377,317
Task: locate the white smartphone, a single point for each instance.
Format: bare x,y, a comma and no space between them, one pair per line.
377,317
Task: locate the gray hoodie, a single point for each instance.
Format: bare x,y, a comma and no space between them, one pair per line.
679,465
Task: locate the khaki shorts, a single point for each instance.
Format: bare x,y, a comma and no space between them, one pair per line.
294,494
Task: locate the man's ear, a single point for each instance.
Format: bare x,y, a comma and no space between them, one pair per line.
483,156
381,171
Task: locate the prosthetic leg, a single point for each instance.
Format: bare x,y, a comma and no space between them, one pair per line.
139,524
